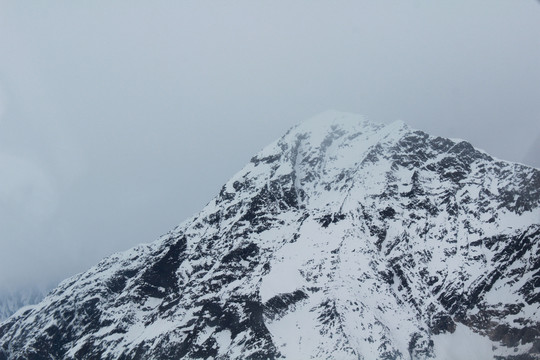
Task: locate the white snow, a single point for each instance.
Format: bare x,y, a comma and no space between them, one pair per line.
463,344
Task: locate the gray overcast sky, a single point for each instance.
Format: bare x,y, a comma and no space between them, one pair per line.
120,119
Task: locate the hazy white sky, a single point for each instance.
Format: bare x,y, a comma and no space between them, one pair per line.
120,119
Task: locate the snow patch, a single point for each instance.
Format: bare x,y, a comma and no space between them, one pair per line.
463,344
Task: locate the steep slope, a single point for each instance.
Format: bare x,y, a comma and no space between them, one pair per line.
344,239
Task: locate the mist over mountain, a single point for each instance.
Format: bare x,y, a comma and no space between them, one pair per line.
13,300
119,119
533,156
343,239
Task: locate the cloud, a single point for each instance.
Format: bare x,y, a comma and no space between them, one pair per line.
2,102
533,156
25,190
28,202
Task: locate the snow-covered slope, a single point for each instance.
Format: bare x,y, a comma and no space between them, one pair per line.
344,239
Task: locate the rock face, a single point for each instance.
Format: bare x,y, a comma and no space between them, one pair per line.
344,239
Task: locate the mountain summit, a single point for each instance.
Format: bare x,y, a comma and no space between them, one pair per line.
344,239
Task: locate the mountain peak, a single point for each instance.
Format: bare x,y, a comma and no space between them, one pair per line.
330,120
342,239
332,117
323,152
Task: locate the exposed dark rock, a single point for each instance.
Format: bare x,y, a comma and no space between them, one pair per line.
279,304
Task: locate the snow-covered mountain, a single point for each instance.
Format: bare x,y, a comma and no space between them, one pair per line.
344,239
